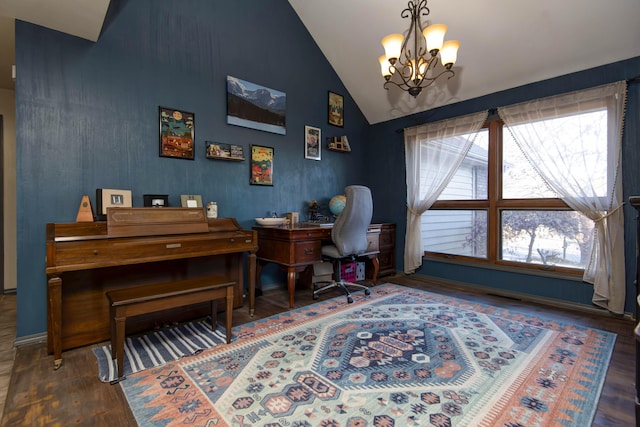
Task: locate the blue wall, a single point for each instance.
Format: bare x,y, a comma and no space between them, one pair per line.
87,118
386,144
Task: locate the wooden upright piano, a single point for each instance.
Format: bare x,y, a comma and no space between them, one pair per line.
136,246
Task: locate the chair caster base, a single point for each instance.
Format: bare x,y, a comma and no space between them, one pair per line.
367,292
350,300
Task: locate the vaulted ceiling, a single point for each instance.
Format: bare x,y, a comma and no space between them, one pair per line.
81,18
504,43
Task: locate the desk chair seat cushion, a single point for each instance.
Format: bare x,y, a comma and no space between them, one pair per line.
331,251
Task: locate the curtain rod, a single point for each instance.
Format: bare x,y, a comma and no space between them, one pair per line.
493,111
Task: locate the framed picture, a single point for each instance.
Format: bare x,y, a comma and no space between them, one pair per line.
312,143
155,200
336,109
256,107
218,150
261,165
177,130
110,198
190,201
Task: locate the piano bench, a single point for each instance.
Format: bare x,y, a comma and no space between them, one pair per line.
146,299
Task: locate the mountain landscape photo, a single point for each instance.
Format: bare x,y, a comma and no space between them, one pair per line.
254,106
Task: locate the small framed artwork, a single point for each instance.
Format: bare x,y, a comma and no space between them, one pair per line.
219,150
177,130
190,201
336,109
110,198
261,165
312,143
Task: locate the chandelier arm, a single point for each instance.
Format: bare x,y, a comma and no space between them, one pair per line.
434,78
429,64
401,73
400,85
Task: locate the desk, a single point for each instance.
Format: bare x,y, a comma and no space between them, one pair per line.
294,248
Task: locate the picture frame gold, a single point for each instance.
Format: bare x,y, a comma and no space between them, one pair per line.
190,201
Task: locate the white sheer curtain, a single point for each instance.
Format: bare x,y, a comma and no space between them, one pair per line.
433,153
568,166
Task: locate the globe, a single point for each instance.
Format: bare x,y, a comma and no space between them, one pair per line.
336,204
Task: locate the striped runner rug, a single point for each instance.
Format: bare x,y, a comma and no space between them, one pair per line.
159,347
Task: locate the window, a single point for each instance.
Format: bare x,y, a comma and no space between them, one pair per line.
497,209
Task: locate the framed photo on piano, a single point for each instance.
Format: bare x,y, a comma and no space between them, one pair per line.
110,198
191,200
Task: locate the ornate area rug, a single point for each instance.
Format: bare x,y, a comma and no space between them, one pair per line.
400,357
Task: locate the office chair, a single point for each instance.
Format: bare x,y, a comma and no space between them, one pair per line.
349,236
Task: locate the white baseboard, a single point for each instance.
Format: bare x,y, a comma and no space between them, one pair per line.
31,339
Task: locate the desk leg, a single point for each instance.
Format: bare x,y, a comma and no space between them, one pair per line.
253,274
376,268
55,319
291,284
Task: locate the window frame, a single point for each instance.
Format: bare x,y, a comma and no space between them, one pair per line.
494,205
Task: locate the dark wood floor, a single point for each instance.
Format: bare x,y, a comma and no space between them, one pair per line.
73,395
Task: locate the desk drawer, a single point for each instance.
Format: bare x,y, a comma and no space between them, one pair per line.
308,251
388,239
373,242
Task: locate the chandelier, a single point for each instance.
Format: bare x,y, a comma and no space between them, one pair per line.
411,63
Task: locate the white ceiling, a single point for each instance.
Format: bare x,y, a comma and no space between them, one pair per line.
82,18
504,43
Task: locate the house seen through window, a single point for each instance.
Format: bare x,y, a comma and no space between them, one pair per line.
497,209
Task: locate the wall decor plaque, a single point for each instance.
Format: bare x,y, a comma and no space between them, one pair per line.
222,151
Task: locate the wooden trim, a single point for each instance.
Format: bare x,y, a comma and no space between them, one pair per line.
494,204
